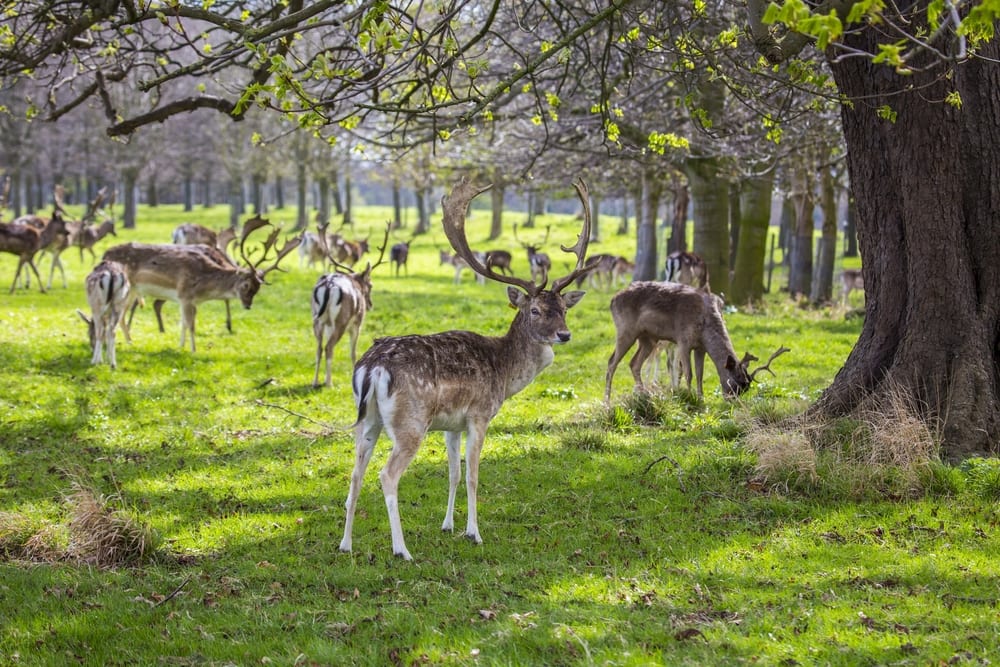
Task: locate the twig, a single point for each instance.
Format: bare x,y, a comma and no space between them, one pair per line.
680,481
293,413
174,594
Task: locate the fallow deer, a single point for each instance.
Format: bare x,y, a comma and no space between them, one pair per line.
191,274
25,241
686,268
850,280
398,256
340,301
454,381
191,233
539,262
649,312
107,291
460,265
499,259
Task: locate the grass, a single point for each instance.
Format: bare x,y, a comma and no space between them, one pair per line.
645,532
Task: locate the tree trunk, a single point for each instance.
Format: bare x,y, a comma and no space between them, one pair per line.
755,221
851,228
397,205
130,179
801,197
595,214
188,193
301,190
710,197
348,203
927,191
423,217
826,254
496,206
678,223
323,212
645,227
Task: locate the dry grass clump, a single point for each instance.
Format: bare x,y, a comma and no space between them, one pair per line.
886,448
102,537
95,535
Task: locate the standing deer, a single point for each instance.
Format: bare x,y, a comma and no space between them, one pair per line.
649,312
454,381
851,279
25,241
460,265
539,262
499,259
191,274
191,233
340,302
398,256
107,291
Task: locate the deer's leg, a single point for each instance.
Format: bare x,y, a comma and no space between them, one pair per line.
671,355
646,346
699,369
473,447
406,439
158,309
331,341
682,363
109,333
365,436
622,345
318,332
188,311
453,443
99,334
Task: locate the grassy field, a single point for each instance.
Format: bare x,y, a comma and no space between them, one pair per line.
645,532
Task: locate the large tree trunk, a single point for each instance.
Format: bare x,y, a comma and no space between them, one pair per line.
755,220
826,254
927,189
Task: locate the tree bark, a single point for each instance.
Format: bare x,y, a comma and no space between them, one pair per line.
496,206
801,197
826,254
710,199
927,189
755,221
646,266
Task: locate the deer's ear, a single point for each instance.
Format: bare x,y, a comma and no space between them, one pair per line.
516,296
731,363
572,298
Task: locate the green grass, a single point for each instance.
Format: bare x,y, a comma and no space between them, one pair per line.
605,540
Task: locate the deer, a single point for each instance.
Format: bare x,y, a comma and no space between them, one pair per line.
340,301
191,274
56,243
651,311
455,381
86,233
191,233
25,240
460,265
686,268
499,259
107,291
851,279
621,268
398,256
539,262
601,275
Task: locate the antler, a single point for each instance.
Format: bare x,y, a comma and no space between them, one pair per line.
95,205
454,207
385,243
766,367
249,227
57,197
582,241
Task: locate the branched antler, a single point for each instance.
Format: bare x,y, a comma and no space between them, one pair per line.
582,241
767,367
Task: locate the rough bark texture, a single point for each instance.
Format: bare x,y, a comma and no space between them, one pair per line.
710,197
927,189
755,219
646,265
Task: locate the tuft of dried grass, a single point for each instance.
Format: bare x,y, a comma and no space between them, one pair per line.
782,452
896,434
103,537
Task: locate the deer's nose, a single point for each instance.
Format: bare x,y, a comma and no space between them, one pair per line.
563,336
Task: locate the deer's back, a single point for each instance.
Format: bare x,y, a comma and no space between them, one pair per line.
649,309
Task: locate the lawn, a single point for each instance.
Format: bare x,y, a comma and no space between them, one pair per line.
638,533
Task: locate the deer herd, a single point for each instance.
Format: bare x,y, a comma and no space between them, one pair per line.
408,385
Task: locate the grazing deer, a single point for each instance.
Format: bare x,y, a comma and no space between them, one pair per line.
191,274
454,381
314,248
191,233
851,279
25,240
340,302
346,252
621,269
649,312
107,291
56,244
398,255
539,262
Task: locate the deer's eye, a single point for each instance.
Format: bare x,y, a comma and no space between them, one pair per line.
535,311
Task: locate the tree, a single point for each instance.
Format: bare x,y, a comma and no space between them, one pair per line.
921,118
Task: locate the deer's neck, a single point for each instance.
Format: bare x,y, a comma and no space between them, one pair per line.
523,356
